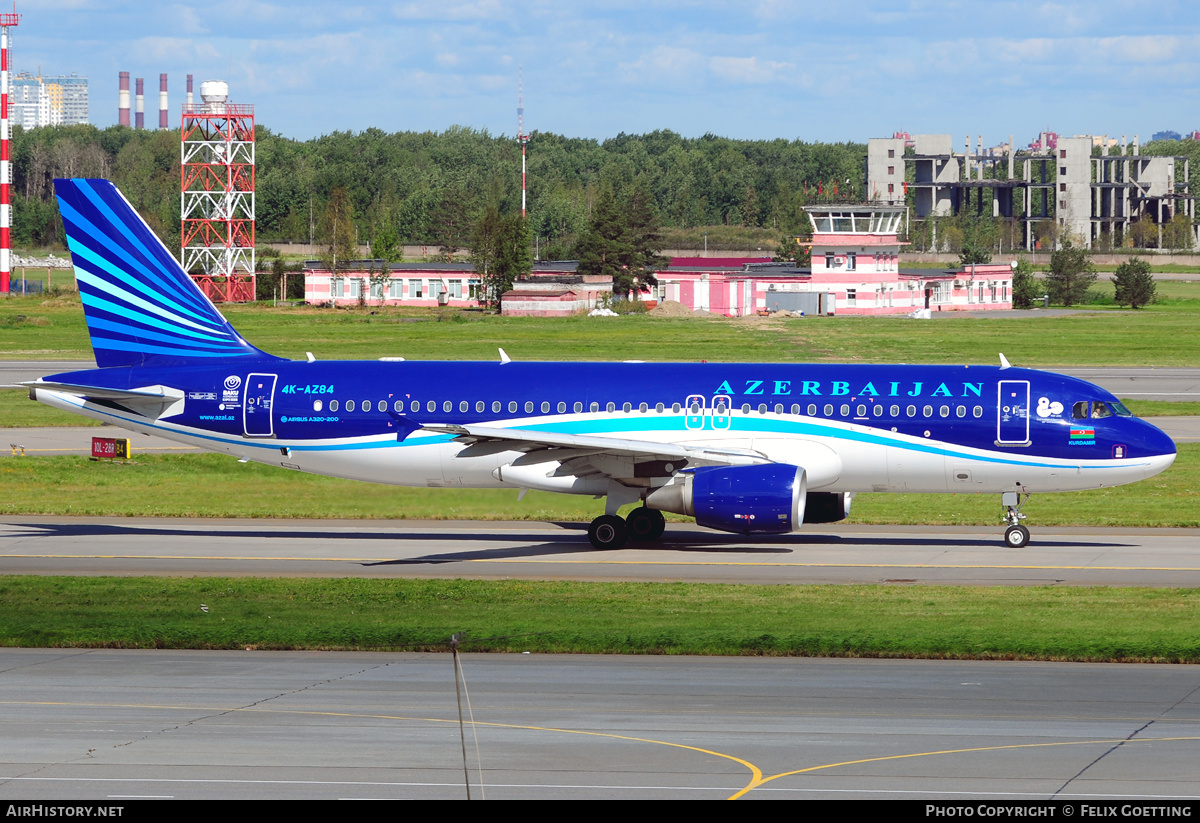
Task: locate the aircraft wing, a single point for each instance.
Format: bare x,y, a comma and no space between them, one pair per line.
548,446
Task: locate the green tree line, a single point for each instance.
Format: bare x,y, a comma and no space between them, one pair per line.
432,188
421,187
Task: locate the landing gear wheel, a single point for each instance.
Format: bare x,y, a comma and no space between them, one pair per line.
608,532
645,525
1016,537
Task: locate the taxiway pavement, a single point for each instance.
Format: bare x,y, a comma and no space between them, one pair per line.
113,725
836,553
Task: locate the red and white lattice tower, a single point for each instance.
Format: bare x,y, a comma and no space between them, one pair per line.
522,137
6,20
217,199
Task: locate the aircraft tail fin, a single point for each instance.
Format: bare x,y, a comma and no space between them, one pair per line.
141,307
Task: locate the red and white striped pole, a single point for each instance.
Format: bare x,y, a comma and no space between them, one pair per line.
6,20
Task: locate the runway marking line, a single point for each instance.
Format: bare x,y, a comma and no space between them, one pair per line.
250,558
755,784
754,770
757,779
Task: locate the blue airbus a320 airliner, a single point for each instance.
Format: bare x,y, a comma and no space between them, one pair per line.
748,448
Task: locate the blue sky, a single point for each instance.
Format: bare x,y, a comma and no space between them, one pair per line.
815,71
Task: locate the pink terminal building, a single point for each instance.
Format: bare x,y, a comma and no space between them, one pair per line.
855,270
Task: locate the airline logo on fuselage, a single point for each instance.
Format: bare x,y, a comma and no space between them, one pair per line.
839,388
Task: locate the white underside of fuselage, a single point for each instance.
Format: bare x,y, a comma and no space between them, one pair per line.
837,456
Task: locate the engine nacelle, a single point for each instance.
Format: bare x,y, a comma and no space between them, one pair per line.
763,499
827,507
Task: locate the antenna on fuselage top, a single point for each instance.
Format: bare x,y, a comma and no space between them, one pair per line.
311,358
504,358
1004,364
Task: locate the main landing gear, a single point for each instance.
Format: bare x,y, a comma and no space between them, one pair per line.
1016,536
608,531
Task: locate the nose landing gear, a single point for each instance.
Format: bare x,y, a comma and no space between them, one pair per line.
1016,536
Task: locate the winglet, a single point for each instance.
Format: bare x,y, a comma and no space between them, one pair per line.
504,358
1004,364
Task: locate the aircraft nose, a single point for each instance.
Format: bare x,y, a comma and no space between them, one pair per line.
1157,446
1157,442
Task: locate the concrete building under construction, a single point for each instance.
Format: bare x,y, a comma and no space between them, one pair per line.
1085,196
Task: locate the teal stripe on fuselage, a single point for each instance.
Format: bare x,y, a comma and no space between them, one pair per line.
758,425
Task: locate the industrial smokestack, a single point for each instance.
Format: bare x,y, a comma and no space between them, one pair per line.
123,100
139,115
162,101
189,93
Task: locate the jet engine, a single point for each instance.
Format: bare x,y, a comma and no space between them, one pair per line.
761,499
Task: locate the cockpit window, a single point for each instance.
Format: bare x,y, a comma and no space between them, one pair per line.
1098,410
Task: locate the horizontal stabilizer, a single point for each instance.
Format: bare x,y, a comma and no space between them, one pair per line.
149,401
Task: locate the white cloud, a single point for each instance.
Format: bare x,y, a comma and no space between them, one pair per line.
453,10
750,70
663,63
1148,49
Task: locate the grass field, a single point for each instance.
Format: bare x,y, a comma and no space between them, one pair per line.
1044,623
1165,334
166,486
